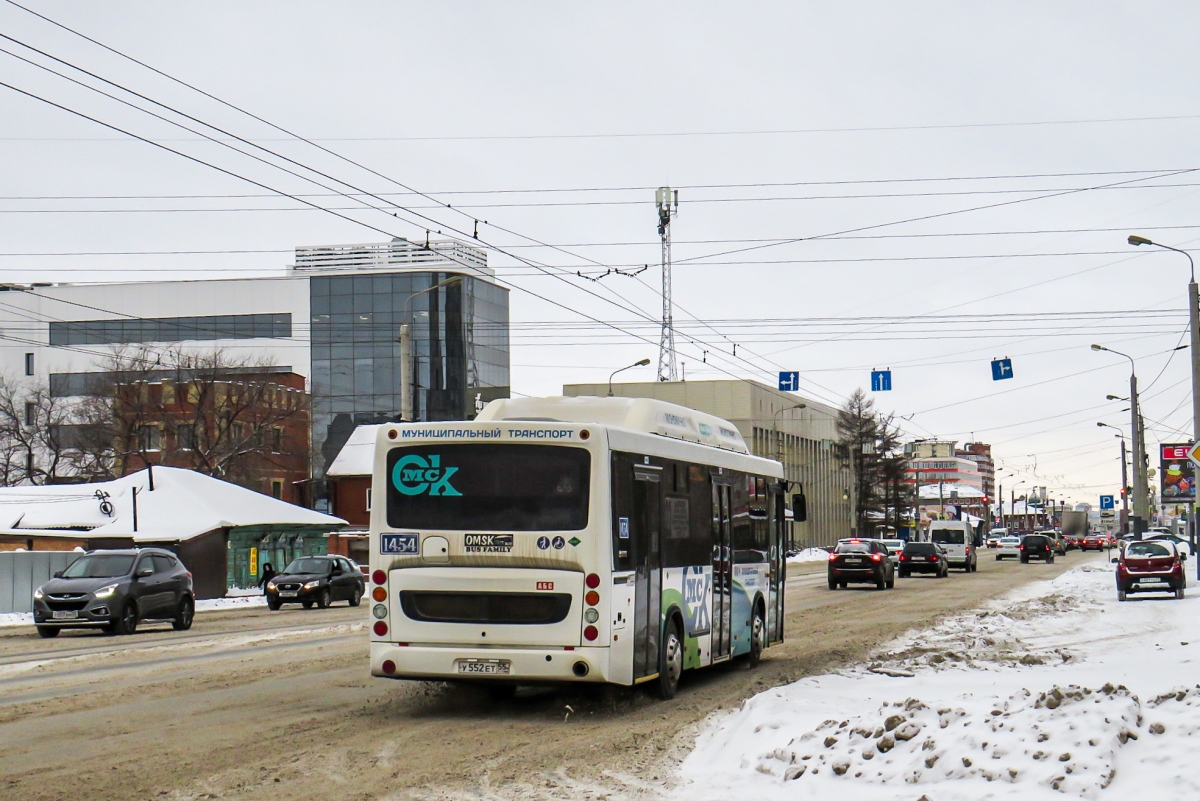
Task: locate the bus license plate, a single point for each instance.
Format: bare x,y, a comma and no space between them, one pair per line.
500,667
65,614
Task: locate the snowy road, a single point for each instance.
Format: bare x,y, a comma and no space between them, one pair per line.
253,704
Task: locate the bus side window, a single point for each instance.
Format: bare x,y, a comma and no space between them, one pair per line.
622,512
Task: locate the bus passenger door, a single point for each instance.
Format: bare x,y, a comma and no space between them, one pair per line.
647,604
778,564
722,568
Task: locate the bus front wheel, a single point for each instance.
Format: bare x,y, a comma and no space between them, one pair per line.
670,661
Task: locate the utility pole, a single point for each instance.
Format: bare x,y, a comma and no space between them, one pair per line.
667,200
1141,490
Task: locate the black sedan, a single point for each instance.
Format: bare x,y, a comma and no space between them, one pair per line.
863,561
319,580
924,557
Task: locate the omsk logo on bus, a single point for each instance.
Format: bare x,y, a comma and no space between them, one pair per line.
695,599
416,475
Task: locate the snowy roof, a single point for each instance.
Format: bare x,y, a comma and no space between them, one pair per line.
183,505
357,456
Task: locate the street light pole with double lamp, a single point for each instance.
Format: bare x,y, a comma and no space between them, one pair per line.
1124,480
1140,488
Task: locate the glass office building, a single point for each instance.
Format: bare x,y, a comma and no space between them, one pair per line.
460,349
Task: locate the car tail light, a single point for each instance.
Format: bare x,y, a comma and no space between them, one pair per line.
876,557
380,628
903,558
591,633
933,559
379,577
832,556
379,594
592,581
592,598
389,666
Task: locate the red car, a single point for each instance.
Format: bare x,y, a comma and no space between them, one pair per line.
1150,566
1093,542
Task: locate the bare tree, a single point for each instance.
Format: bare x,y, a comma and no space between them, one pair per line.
35,431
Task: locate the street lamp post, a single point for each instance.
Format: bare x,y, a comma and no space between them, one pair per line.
1012,501
1124,481
1194,325
406,351
775,429
1140,488
639,363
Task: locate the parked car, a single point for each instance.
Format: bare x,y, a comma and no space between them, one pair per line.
1037,546
894,548
319,580
924,557
115,590
861,561
957,538
1150,566
1181,544
1094,542
1008,546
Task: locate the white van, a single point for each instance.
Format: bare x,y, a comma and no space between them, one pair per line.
957,538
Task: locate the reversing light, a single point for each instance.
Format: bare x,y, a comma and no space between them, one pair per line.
593,581
590,633
379,594
592,598
591,615
380,628
379,577
379,611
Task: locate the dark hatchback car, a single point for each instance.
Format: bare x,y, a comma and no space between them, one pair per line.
319,580
1037,546
863,561
115,590
924,557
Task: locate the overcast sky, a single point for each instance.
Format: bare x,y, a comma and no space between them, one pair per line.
920,186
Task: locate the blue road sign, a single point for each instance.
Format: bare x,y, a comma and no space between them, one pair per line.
881,380
789,382
1107,502
1001,369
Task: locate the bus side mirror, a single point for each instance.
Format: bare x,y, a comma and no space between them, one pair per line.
799,508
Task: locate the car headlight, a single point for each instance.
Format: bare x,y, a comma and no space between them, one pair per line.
105,592
38,594
312,585
271,584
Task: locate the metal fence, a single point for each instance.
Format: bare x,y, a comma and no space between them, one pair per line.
21,572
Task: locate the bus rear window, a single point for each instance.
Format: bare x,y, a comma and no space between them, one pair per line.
488,487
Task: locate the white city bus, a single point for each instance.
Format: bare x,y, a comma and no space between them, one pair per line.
615,540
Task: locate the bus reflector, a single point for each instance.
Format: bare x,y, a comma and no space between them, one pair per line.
591,633
592,598
379,594
379,577
389,666
593,581
380,628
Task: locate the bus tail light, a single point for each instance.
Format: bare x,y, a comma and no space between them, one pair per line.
380,628
592,598
592,581
591,633
389,667
379,577
379,594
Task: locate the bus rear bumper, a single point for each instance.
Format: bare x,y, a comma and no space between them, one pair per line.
464,663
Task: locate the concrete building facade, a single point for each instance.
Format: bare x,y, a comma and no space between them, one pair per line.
804,440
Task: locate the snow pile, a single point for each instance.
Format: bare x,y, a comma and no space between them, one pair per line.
1056,691
809,555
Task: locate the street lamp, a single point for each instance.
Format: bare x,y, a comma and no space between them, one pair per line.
406,354
1012,502
1140,490
775,428
639,363
1124,480
1194,325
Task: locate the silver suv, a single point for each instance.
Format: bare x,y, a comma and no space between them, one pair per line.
114,590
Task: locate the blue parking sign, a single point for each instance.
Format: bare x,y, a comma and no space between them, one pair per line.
1107,502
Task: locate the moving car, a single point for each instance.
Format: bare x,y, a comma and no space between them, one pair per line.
861,561
957,538
115,590
1060,547
1094,542
924,557
993,537
319,580
1150,566
1037,546
1181,544
1008,546
894,548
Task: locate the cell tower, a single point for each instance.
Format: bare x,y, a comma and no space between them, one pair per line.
668,206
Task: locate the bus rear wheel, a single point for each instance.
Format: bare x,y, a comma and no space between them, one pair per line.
758,637
670,661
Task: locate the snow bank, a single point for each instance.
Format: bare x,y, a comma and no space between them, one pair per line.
809,555
1056,691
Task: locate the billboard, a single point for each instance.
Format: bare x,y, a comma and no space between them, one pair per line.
1178,474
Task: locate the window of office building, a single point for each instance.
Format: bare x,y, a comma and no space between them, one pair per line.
169,329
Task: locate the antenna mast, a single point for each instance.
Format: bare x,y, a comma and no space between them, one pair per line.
667,200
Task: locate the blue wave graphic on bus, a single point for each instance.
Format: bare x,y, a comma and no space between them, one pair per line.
416,475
